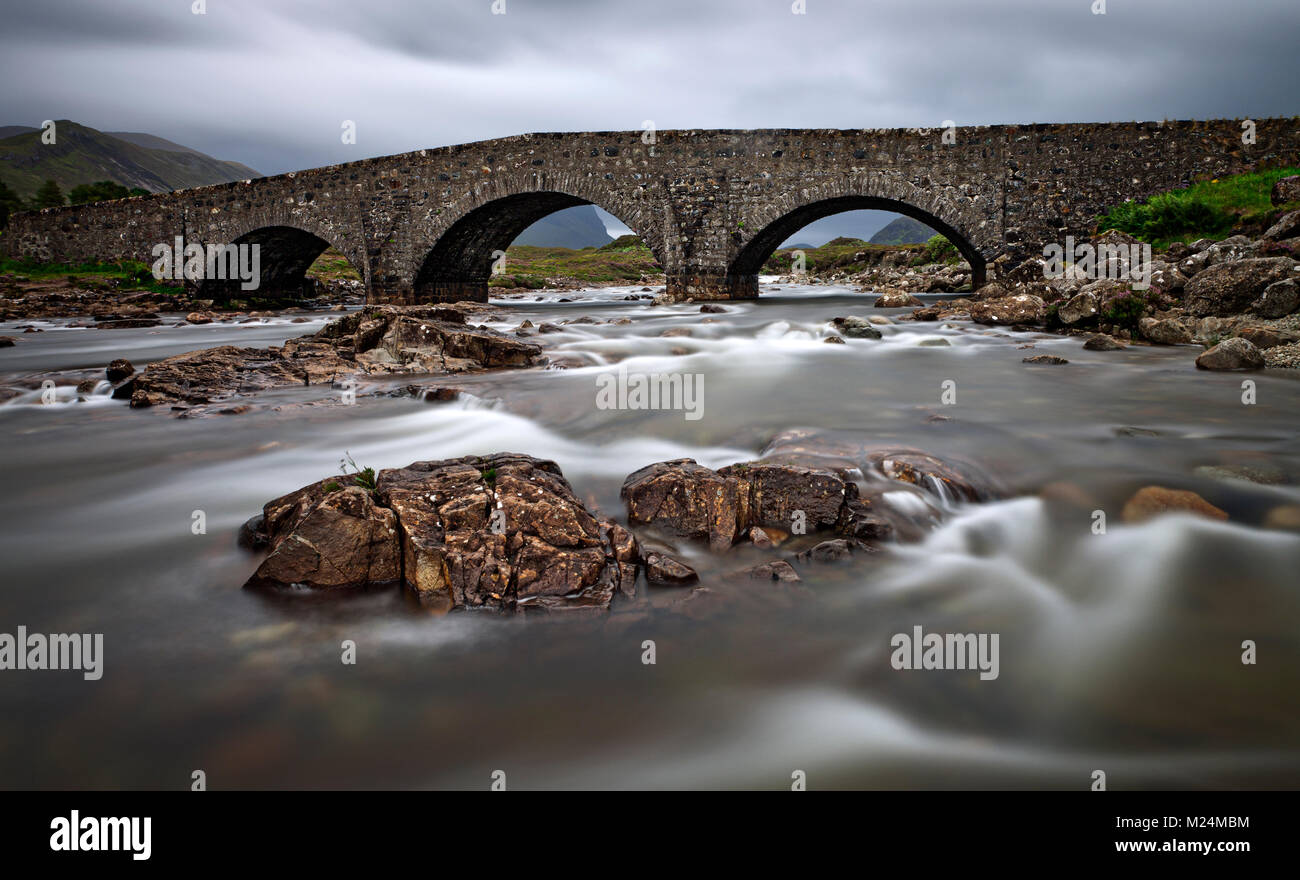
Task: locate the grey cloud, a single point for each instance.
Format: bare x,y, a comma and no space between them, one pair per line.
269,84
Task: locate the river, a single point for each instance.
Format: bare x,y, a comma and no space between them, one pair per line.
1120,652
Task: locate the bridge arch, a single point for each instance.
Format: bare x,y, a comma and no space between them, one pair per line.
454,258
776,220
287,248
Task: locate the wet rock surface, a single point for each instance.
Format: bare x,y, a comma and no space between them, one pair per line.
502,532
807,482
374,340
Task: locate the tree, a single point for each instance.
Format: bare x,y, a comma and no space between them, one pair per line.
9,203
49,195
97,192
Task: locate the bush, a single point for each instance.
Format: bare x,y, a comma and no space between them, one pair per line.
1125,310
1206,209
937,250
1167,216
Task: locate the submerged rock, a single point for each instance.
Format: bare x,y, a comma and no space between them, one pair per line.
1151,501
854,327
662,570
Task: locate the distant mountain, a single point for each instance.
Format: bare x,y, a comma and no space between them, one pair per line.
904,230
851,224
81,154
575,228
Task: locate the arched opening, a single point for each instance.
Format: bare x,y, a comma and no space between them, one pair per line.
465,258
287,263
746,266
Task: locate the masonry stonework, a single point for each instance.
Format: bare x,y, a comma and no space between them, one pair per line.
711,205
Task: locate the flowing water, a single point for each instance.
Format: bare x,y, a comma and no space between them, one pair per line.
1119,652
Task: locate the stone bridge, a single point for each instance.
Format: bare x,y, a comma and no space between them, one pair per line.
711,205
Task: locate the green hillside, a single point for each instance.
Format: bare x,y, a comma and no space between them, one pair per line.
82,155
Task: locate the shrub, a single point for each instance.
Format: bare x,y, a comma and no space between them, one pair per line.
937,250
1125,310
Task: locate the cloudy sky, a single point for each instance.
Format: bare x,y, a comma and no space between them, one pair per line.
269,82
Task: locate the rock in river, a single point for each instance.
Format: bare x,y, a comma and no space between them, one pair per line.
1154,500
503,531
376,339
1231,354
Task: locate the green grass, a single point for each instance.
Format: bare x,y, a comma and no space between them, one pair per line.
842,254
1206,209
623,261
128,274
333,266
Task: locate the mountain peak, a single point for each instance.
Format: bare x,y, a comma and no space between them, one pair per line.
81,154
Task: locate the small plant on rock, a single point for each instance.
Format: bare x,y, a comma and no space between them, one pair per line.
363,477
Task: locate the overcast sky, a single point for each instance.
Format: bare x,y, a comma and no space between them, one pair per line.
269,82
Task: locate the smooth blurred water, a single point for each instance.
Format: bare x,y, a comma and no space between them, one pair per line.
1119,652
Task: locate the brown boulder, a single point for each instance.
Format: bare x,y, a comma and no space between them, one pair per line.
1151,501
1287,226
118,370
686,499
502,531
342,541
214,373
662,570
945,478
1102,342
